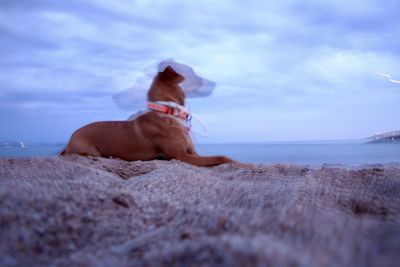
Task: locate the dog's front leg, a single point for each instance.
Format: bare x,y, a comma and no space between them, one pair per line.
205,161
198,160
175,150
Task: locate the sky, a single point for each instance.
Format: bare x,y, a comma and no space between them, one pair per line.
285,70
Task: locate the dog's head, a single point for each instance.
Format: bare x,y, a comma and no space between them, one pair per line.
166,87
193,85
170,75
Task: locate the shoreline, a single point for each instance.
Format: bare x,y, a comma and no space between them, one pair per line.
314,155
395,164
109,212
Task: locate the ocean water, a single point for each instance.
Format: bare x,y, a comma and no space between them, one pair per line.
308,154
30,150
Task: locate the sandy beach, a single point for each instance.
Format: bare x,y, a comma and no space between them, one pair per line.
80,211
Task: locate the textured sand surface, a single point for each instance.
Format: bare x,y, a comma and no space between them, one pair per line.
102,212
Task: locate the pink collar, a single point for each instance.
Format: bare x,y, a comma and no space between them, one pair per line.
170,108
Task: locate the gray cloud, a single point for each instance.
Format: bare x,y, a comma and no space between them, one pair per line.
284,58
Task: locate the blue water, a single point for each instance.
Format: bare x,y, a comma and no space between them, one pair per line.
30,150
310,154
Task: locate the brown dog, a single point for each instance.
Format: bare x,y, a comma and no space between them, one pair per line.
151,135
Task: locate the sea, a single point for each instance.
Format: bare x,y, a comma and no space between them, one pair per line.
312,154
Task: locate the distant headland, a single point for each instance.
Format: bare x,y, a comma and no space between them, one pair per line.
388,137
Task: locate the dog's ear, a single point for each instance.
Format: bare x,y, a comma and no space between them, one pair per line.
169,74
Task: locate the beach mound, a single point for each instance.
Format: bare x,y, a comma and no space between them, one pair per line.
80,211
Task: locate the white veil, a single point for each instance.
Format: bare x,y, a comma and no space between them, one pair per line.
135,98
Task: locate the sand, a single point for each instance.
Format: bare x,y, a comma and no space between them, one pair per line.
80,211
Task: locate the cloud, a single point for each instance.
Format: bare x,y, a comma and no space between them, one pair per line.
284,58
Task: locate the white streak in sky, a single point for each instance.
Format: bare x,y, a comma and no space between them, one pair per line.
388,76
